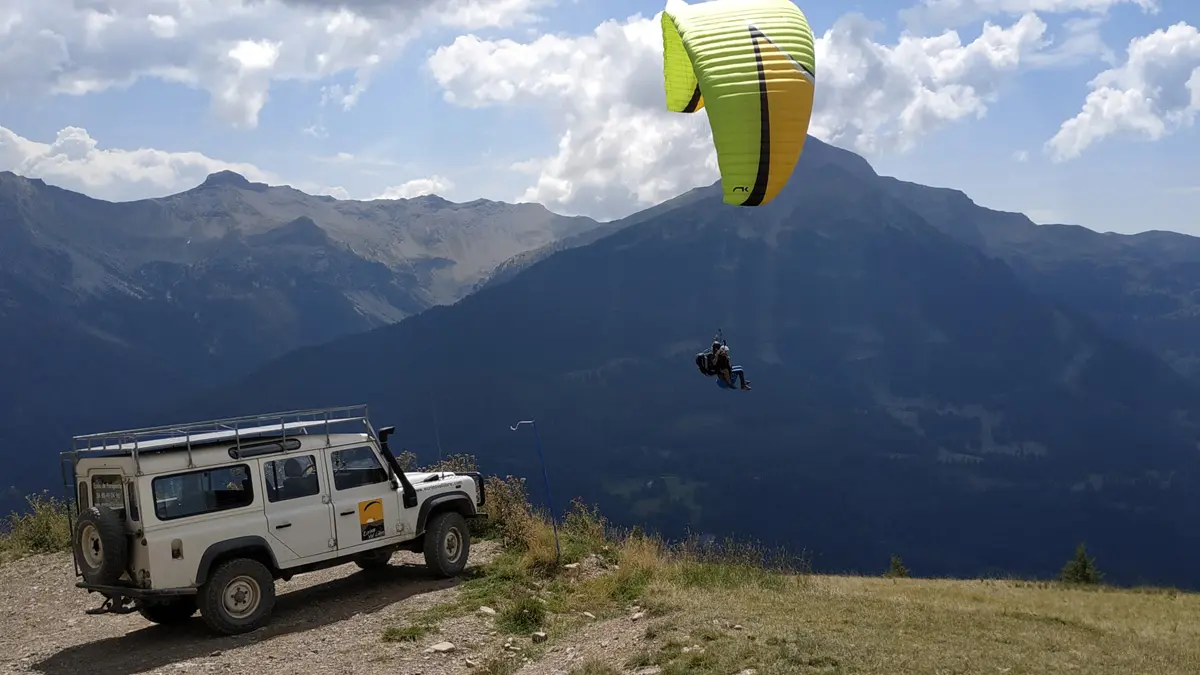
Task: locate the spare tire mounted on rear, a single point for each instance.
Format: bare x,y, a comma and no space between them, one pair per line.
101,547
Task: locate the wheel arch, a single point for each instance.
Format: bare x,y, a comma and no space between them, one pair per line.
456,500
251,546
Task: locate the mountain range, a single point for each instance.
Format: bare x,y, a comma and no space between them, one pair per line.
931,378
106,307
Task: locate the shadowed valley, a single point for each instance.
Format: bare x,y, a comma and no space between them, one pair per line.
912,394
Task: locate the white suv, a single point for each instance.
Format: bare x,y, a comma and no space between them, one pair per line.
206,516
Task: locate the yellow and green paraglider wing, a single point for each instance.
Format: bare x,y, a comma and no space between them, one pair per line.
752,65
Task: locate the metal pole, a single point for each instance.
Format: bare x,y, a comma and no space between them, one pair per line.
546,479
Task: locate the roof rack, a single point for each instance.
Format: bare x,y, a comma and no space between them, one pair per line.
236,429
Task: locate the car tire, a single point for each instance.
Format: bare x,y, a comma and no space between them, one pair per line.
238,597
101,547
168,612
447,544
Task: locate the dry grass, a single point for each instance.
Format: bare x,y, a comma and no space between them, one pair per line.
726,608
869,625
594,668
722,609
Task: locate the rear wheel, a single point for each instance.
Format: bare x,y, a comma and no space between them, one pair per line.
100,545
238,597
168,612
447,543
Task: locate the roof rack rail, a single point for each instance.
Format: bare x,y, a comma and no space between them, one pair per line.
236,429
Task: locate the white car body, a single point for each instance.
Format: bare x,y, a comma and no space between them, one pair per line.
283,489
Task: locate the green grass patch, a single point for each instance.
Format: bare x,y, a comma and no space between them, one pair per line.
409,633
524,615
715,575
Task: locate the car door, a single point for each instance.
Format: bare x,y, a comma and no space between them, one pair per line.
108,489
298,508
364,505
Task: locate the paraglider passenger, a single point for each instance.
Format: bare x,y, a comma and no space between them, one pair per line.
721,367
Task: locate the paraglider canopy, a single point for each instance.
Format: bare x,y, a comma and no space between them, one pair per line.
752,65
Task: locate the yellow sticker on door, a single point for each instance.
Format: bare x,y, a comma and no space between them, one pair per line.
370,519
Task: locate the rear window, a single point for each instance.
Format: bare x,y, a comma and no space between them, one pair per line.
109,491
205,491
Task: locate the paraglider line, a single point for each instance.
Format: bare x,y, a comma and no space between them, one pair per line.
546,479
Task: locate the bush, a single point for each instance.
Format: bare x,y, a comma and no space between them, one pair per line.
407,460
44,528
455,463
510,517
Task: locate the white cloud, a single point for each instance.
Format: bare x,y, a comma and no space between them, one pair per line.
434,185
943,13
1021,156
233,49
1153,94
467,14
874,97
75,161
359,161
620,150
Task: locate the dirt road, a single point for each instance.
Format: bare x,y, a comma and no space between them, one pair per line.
324,622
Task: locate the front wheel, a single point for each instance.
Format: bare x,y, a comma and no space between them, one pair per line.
238,597
447,544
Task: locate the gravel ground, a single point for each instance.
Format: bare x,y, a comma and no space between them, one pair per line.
325,622
608,642
328,621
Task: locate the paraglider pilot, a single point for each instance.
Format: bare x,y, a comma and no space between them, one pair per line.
716,362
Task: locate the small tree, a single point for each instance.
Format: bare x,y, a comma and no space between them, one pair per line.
896,568
1080,569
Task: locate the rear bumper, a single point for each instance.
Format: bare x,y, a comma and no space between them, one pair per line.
134,592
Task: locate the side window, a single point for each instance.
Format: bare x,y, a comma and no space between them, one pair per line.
84,502
356,467
291,478
109,491
205,491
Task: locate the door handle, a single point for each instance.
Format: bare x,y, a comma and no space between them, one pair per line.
346,513
280,527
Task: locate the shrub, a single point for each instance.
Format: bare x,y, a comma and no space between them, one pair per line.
896,569
44,528
1081,569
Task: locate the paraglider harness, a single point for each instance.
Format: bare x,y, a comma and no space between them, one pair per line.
706,360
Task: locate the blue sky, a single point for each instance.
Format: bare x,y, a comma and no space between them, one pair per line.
547,108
